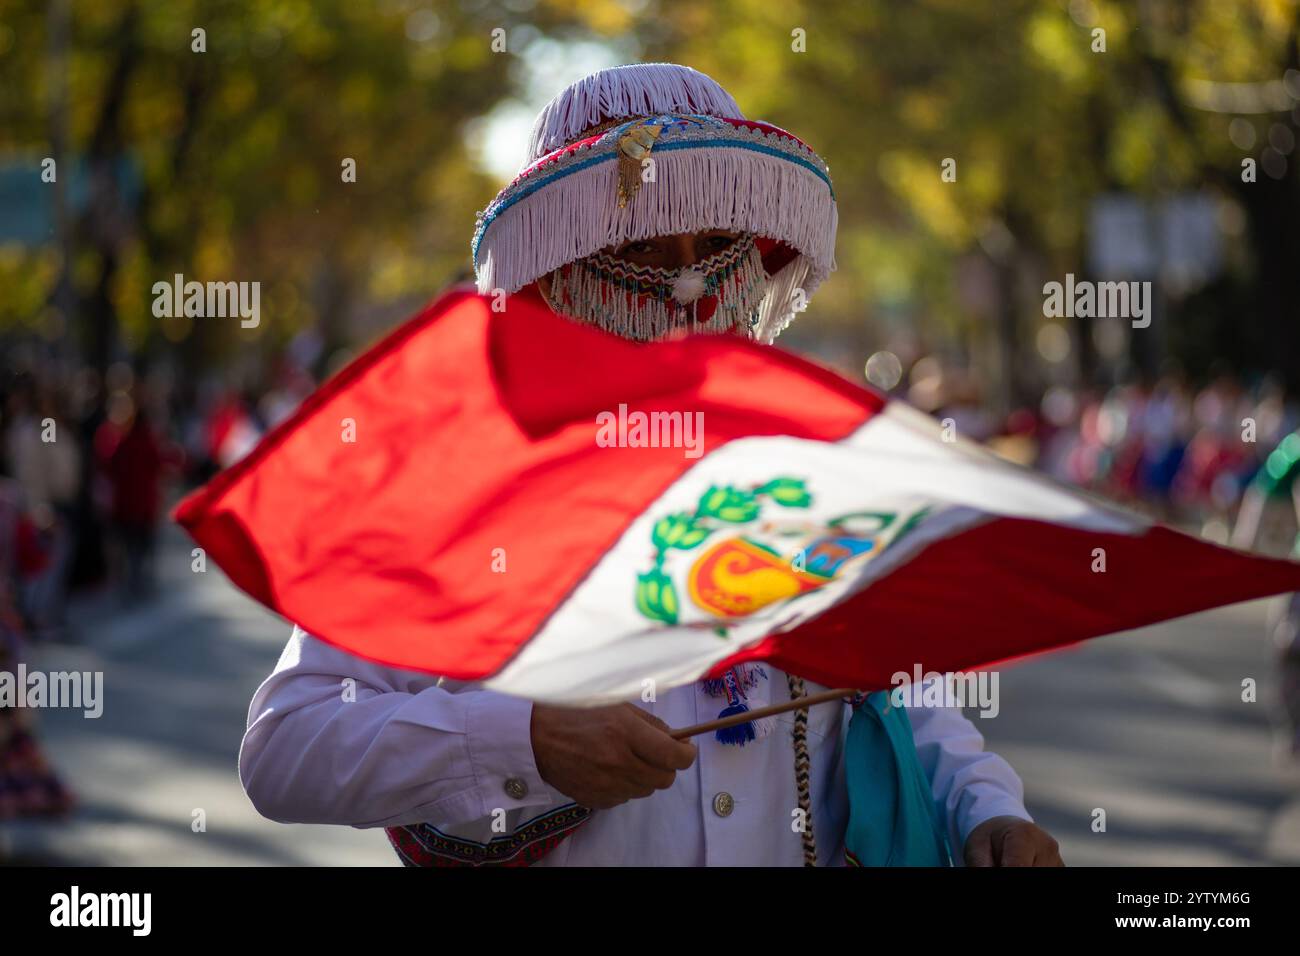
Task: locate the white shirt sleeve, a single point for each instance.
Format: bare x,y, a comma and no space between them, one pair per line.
970,784
333,738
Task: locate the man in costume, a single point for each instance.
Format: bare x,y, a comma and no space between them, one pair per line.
649,207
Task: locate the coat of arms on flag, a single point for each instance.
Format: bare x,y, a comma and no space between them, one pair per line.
732,556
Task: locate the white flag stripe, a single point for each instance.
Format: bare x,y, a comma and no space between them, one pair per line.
599,648
907,445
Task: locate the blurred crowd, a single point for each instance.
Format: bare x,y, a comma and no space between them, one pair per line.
1218,458
90,458
90,463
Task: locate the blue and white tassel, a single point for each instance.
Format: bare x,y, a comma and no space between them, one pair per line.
733,685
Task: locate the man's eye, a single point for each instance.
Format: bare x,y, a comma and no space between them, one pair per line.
637,249
718,243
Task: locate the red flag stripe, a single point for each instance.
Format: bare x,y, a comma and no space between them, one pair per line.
1013,587
475,431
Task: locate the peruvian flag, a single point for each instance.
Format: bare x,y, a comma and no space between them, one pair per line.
515,498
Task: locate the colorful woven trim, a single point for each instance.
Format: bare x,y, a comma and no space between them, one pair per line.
708,173
678,132
635,89
748,676
423,844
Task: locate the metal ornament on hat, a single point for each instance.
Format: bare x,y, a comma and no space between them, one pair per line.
633,150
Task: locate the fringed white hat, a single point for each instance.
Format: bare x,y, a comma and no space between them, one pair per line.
582,189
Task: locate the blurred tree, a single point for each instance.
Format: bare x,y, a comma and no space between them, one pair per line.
1039,121
240,154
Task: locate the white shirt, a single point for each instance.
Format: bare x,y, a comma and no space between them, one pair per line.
335,739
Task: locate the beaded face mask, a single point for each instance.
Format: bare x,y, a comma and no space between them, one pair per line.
721,292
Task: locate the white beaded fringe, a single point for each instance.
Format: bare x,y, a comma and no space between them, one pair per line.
719,188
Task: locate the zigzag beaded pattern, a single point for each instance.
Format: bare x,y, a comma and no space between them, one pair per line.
652,280
802,770
623,308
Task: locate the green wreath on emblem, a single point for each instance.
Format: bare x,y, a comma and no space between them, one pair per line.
656,595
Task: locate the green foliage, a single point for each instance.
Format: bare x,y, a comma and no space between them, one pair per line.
682,531
239,148
729,504
656,597
1037,122
790,492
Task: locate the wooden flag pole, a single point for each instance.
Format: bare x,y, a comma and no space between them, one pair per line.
734,719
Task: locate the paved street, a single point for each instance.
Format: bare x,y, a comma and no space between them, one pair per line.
1148,726
178,676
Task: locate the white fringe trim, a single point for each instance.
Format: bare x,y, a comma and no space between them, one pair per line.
778,308
640,89
696,189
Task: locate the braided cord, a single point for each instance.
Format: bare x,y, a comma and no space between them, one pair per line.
802,770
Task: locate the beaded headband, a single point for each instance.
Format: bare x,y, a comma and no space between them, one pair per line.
719,293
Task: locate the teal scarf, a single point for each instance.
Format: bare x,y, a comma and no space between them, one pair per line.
892,817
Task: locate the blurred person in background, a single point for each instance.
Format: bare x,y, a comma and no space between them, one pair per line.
1217,462
1164,430
28,786
1087,461
133,458
1020,439
952,395
1275,484
290,384
1059,431
230,430
85,407
1119,426
42,452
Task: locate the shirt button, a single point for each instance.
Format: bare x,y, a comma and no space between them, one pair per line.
516,789
723,803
